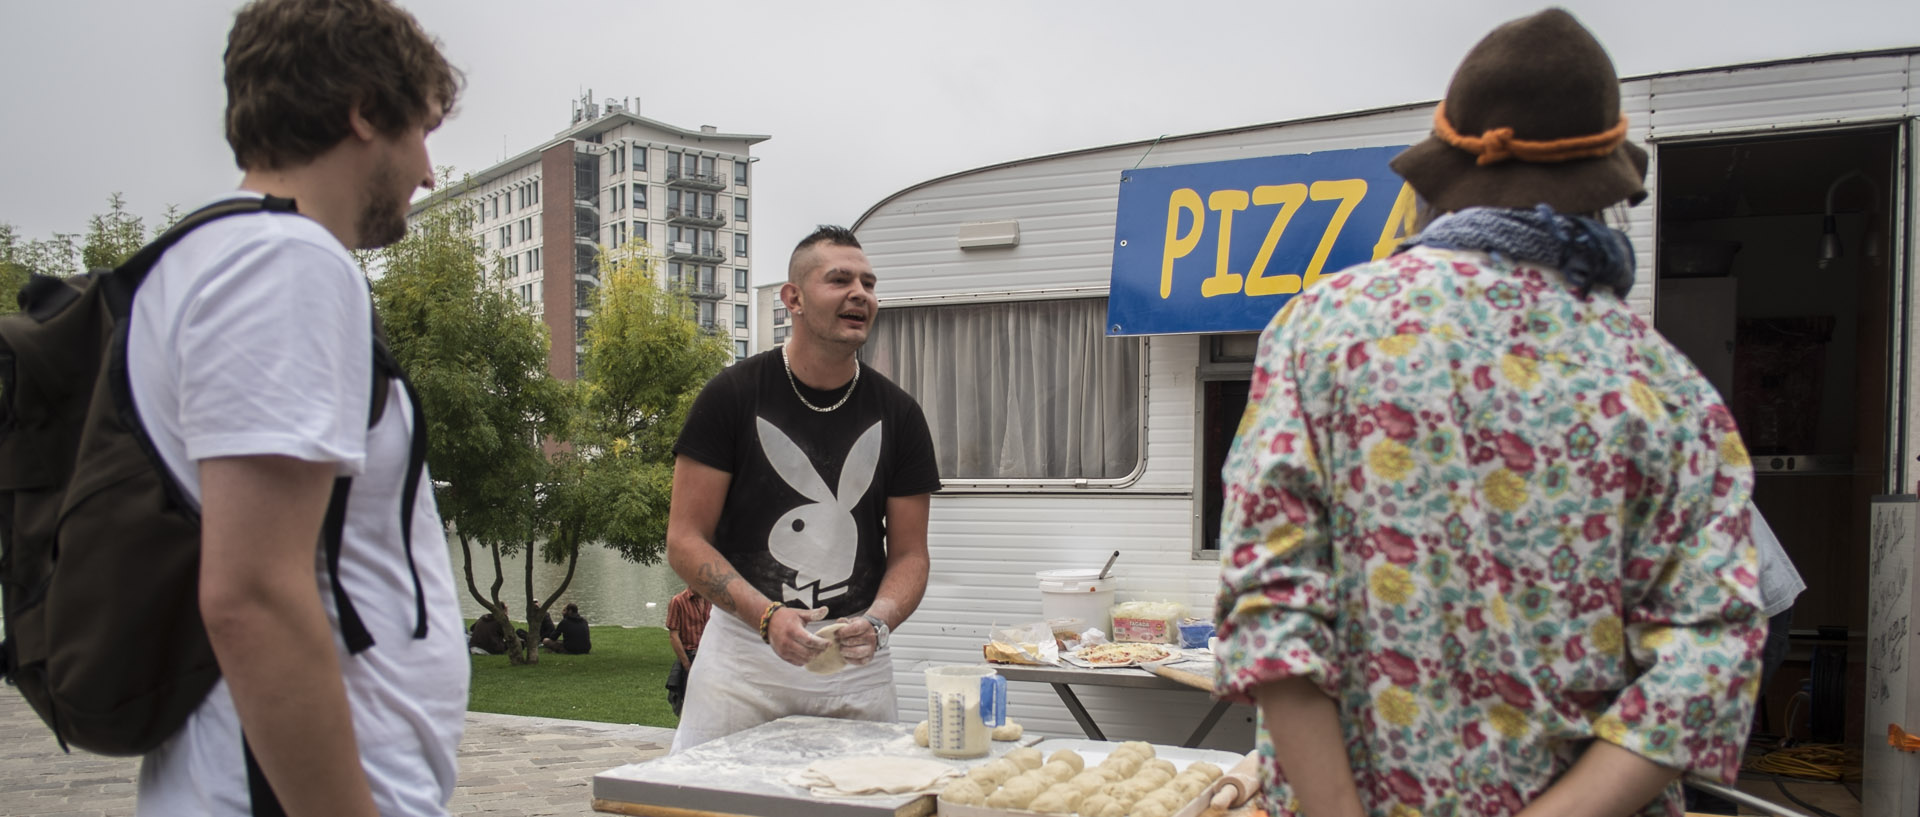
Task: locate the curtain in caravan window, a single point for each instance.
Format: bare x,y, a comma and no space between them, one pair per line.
1031,390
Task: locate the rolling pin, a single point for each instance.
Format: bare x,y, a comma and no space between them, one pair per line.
1235,787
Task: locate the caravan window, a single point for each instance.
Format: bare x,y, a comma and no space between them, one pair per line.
1017,391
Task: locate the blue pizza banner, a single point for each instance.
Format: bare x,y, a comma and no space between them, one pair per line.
1221,246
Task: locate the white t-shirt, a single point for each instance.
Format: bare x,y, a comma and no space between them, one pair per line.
1780,582
253,336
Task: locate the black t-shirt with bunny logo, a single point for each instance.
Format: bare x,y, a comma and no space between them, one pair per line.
805,518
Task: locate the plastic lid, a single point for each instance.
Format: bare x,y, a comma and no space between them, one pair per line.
1070,574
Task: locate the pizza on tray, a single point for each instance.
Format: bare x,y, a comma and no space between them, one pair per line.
1123,654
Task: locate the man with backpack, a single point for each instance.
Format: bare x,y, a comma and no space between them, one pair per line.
251,356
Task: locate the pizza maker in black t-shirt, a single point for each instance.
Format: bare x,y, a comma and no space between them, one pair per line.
805,515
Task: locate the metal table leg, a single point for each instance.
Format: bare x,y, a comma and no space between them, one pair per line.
1206,724
1080,712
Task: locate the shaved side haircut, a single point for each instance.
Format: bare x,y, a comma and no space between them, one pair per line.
828,234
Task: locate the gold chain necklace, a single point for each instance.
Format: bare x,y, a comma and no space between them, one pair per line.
791,381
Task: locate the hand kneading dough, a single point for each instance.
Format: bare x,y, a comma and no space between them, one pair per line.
1057,800
1072,757
920,733
1008,731
964,792
1027,756
828,661
1017,793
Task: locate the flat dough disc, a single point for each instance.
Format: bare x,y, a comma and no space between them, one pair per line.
828,661
834,777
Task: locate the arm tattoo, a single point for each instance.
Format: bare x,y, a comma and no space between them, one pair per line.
711,581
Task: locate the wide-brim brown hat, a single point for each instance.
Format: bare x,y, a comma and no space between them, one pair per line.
1532,116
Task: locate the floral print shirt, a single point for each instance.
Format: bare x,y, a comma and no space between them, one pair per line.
1491,520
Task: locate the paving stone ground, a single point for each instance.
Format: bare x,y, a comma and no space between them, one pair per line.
510,766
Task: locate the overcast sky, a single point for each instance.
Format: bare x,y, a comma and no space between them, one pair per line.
861,99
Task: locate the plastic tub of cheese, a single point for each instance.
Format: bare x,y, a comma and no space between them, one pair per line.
1117,779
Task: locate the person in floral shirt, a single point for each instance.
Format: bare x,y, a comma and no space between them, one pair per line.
1485,530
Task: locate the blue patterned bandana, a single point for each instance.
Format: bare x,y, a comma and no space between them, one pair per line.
1586,251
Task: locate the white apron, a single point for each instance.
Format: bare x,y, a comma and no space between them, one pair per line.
739,683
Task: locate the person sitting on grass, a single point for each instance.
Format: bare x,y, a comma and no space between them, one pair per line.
487,636
570,636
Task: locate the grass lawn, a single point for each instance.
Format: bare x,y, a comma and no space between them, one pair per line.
622,681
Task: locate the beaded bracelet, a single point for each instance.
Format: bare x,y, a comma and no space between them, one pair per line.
766,622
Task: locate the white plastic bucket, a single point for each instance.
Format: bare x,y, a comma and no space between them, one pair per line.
1077,594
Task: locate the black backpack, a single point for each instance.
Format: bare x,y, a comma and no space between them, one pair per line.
99,545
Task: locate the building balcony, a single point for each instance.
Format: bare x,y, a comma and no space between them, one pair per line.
679,177
686,251
703,216
710,290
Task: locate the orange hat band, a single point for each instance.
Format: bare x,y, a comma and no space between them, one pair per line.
1498,145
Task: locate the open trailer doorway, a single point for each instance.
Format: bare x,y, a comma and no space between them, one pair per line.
1779,275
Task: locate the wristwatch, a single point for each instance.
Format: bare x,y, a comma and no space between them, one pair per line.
880,630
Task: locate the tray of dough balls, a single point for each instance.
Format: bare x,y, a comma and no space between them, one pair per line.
1089,778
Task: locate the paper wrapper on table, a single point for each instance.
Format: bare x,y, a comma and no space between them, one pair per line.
1148,622
1030,644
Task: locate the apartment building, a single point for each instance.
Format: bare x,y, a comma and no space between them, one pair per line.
610,178
774,324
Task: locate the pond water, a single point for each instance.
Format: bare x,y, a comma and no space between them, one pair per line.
609,589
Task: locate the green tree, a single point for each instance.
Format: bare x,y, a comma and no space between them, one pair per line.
645,360
113,236
479,360
13,274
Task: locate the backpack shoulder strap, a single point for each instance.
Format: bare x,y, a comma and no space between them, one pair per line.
128,276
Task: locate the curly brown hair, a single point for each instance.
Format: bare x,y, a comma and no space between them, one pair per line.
296,69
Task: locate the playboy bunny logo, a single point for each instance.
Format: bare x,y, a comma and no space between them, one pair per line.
819,540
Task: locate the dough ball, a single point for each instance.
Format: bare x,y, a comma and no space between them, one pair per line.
1163,765
920,733
1027,757
1143,748
1017,793
991,774
1071,757
1089,781
1150,810
1124,793
1057,771
1211,771
964,792
1123,765
1167,797
1100,805
1162,800
1111,773
1187,786
1008,731
1151,779
828,661
1061,799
